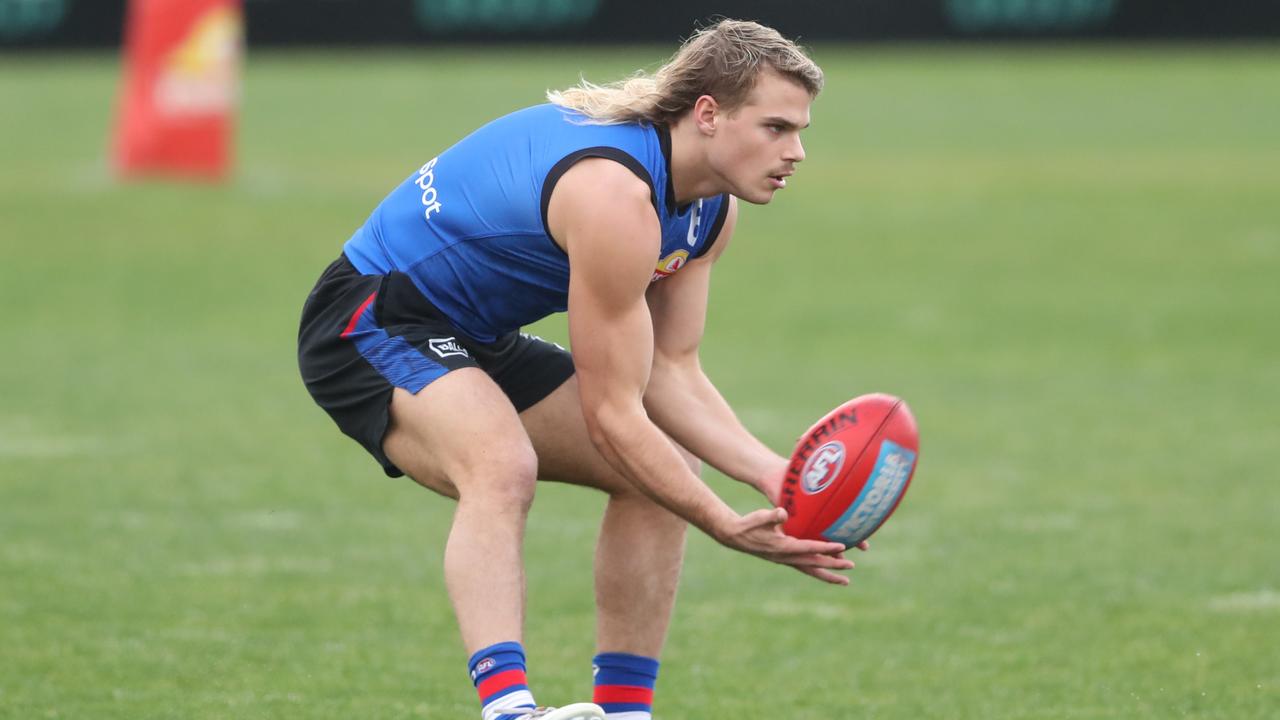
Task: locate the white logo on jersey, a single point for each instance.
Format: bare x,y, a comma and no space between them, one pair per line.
426,181
444,347
693,223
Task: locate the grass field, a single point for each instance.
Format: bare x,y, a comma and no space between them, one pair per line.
1067,260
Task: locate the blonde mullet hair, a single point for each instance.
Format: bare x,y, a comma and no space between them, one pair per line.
723,61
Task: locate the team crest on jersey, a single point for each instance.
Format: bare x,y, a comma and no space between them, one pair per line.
670,264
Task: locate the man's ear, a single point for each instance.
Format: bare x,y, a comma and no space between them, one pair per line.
706,114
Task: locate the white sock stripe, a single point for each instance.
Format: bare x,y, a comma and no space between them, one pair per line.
508,703
629,715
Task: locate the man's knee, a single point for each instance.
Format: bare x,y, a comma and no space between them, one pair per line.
502,475
479,454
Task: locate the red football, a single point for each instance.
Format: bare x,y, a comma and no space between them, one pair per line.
850,470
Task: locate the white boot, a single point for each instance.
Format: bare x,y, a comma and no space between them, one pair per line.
576,711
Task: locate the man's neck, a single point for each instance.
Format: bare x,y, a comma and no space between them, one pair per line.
691,178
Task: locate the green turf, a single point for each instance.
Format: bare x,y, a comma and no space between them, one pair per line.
1067,260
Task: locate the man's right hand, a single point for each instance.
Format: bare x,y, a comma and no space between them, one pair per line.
760,533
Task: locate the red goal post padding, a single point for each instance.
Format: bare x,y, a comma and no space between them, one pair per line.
180,88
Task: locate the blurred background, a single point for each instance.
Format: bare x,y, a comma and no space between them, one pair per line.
1052,226
82,23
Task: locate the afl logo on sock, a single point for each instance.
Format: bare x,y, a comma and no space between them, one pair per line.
485,666
823,467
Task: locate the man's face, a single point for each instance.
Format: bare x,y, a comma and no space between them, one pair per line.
757,146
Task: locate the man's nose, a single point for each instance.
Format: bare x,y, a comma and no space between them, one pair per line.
795,153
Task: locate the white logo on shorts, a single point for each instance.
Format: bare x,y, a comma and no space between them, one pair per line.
444,347
527,336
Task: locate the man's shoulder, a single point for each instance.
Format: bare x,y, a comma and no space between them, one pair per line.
601,187
602,199
605,180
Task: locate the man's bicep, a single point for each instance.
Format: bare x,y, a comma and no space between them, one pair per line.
609,324
611,235
612,347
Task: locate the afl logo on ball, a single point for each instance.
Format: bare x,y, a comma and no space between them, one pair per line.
823,467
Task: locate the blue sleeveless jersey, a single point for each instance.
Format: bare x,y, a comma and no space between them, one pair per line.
470,226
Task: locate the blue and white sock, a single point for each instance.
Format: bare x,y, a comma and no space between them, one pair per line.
498,673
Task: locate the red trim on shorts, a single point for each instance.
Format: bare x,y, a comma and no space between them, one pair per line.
623,694
351,326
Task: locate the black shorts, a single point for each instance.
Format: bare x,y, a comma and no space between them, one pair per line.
363,335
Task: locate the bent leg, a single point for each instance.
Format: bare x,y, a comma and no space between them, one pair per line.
641,546
460,436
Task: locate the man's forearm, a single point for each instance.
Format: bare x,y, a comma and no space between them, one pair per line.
686,405
635,447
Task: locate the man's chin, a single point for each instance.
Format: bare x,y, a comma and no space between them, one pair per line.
761,197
